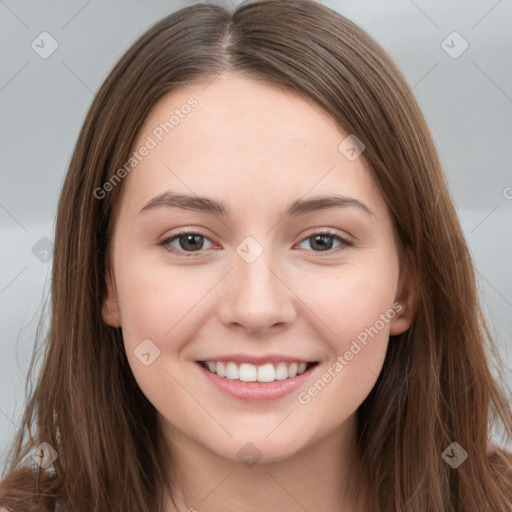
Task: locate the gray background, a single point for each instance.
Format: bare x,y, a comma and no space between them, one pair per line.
467,102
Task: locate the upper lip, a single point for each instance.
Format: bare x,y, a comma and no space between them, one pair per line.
257,360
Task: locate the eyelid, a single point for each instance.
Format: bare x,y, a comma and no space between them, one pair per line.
330,231
165,242
345,242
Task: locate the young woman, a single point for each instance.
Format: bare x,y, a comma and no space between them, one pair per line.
262,298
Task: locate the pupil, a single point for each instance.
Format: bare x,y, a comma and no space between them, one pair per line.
191,246
322,237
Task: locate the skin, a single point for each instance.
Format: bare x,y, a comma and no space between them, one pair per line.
256,148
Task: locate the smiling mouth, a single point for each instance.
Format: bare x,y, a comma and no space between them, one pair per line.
246,372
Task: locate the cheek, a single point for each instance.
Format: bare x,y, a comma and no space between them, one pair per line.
157,308
358,309
155,301
355,308
351,300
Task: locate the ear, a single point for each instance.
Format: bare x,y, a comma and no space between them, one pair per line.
406,296
110,310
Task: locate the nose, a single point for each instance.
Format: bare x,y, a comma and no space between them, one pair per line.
256,296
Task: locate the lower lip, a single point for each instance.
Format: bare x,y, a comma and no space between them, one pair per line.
257,391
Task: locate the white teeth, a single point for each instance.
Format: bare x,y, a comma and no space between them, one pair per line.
266,373
221,371
232,371
247,372
281,371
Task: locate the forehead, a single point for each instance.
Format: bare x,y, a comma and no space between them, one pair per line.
246,142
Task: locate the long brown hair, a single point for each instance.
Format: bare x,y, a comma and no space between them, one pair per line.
437,385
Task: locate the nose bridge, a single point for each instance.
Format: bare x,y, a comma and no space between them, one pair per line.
258,288
255,295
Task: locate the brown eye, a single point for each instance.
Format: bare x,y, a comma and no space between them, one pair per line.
185,242
323,242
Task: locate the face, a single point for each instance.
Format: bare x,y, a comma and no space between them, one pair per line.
268,269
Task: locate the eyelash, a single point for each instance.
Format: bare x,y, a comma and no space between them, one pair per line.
344,243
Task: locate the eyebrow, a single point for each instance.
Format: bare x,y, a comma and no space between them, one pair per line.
297,207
